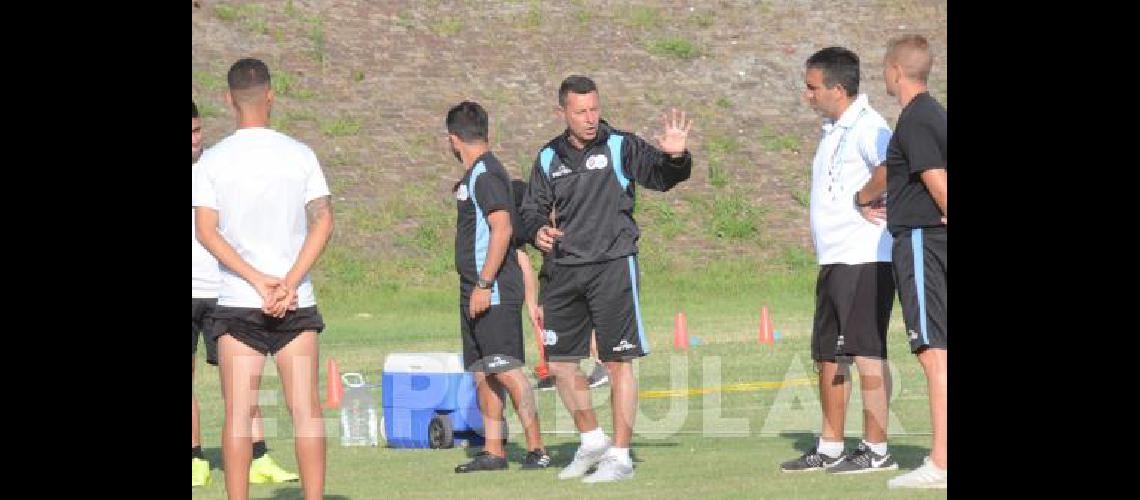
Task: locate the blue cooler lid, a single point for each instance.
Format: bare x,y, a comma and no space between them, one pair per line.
423,362
422,380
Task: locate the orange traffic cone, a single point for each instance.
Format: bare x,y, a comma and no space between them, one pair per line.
765,327
334,388
680,333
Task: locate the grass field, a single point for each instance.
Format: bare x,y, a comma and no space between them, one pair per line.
727,442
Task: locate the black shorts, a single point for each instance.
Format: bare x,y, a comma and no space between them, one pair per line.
920,265
202,322
492,342
852,309
263,333
600,297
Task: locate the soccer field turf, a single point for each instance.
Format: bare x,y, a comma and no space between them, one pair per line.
715,421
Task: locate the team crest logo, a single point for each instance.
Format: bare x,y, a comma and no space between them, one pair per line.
461,193
597,162
549,337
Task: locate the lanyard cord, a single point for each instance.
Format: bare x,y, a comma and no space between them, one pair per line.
831,168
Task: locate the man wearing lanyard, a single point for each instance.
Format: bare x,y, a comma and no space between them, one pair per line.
855,289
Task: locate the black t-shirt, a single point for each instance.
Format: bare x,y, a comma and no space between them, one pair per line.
485,188
918,144
518,233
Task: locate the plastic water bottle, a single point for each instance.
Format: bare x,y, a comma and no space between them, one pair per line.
359,421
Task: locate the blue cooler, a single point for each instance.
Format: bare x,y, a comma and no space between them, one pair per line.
429,401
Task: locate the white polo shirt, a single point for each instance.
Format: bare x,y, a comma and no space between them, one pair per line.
259,181
848,152
205,277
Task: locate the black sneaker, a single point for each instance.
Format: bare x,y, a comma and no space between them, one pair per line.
536,459
812,460
483,461
546,384
864,460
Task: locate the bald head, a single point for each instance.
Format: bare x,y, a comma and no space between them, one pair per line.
912,54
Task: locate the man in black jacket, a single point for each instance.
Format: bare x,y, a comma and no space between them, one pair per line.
585,175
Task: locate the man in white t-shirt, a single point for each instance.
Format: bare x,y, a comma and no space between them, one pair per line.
263,210
205,296
205,280
855,288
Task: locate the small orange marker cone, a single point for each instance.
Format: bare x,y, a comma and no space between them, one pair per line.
334,388
766,327
680,333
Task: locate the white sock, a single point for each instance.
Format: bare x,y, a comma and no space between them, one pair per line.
879,448
594,439
621,454
830,448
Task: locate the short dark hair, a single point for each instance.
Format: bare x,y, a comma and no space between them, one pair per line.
577,84
468,121
193,109
839,66
248,73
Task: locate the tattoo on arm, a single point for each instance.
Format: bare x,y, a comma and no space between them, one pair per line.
317,208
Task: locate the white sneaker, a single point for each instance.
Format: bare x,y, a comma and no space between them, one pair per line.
927,476
584,458
610,468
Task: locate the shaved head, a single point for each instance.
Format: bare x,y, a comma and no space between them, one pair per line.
912,54
248,81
